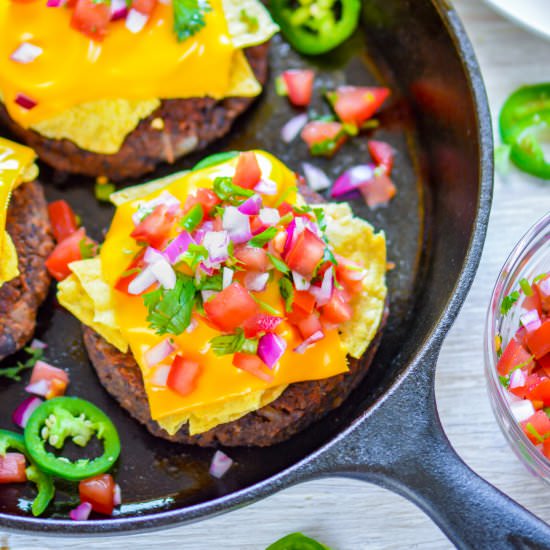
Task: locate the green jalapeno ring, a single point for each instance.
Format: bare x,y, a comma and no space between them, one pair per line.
64,417
44,483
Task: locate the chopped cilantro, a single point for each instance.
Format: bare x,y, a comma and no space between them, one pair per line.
540,277
280,86
227,191
189,17
278,264
169,311
321,218
13,373
265,306
526,287
285,195
103,191
533,431
227,344
327,147
194,254
287,292
262,238
505,381
87,248
215,282
508,302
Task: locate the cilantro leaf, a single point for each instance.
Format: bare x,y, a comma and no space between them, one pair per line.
189,17
526,287
287,292
169,311
103,191
214,282
262,238
227,344
278,264
265,306
508,302
194,254
13,373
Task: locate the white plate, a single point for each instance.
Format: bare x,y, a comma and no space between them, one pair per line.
534,15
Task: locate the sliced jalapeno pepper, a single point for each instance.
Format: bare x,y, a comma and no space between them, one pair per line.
526,112
214,159
44,483
316,26
58,419
297,541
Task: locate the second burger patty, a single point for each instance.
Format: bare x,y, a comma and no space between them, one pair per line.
189,125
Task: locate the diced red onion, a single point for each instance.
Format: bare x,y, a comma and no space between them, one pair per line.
271,348
237,225
23,412
227,277
269,216
256,281
220,464
530,320
315,177
142,281
153,356
324,292
81,512
164,274
517,379
117,495
522,410
207,294
119,9
251,206
266,187
152,255
207,269
178,247
352,178
25,101
293,127
41,387
217,245
136,21
315,337
160,375
38,344
293,229
55,3
300,282
26,53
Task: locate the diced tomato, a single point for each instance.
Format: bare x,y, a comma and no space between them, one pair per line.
299,85
337,310
349,274
382,153
304,300
544,363
145,7
63,219
12,468
155,228
253,259
205,197
310,325
317,133
43,371
253,365
284,208
261,322
99,491
514,354
541,424
67,251
306,253
131,271
355,105
248,173
183,375
538,341
91,18
296,316
542,290
546,447
378,191
256,225
531,382
541,392
231,307
532,302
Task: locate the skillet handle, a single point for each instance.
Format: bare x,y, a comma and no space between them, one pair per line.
402,446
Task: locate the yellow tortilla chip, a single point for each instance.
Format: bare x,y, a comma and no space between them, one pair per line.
249,22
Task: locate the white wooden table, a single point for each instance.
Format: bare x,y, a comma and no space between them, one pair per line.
350,515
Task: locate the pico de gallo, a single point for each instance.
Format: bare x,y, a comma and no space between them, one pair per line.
524,363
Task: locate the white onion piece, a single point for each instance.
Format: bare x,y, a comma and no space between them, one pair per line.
237,225
26,53
522,410
142,281
40,387
517,379
300,282
292,128
315,177
227,277
530,320
136,21
217,245
256,281
324,292
160,376
117,495
152,255
153,356
207,294
269,216
315,337
164,274
38,344
81,512
220,464
266,187
119,9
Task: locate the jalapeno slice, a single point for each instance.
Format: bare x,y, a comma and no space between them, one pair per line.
297,541
524,114
70,417
318,26
44,483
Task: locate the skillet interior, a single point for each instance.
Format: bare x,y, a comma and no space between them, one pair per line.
431,122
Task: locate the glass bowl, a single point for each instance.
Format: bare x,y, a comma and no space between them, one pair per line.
530,257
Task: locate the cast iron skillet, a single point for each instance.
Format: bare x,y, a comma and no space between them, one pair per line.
388,432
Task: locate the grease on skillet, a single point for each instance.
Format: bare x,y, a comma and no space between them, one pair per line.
157,474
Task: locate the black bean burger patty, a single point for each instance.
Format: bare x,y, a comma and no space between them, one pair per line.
189,125
299,405
29,227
